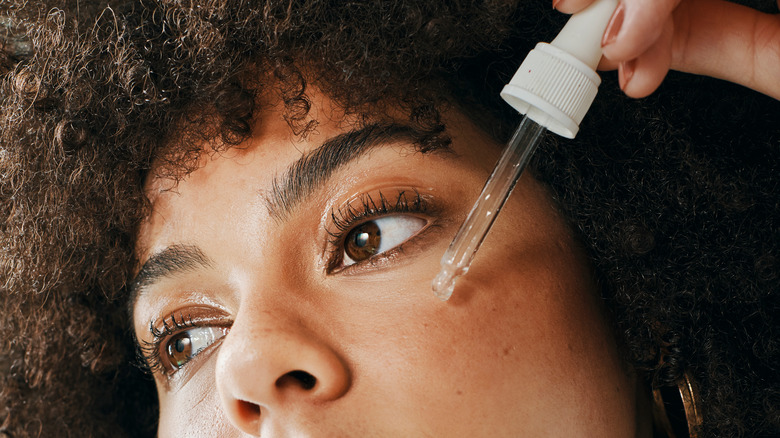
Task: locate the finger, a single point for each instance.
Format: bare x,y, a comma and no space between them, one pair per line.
641,76
607,64
571,6
728,41
635,26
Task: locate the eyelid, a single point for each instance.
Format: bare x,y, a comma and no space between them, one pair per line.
377,202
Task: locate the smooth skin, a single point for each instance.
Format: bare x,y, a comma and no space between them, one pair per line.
521,349
647,38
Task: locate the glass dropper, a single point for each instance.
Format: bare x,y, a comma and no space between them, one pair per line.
457,259
554,87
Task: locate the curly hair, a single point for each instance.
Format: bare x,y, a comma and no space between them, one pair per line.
675,196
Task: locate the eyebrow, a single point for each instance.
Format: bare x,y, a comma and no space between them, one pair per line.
288,190
175,259
316,167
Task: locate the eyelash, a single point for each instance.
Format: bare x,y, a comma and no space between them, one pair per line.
346,218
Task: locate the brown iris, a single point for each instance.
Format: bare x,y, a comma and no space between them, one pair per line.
363,241
179,350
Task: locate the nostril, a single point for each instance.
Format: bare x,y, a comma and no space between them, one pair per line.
298,378
248,411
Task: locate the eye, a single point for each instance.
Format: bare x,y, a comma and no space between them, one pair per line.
379,235
182,347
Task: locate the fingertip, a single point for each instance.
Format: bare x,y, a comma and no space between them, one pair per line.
639,89
614,26
625,73
571,6
641,76
635,26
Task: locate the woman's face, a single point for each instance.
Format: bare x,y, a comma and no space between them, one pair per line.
286,291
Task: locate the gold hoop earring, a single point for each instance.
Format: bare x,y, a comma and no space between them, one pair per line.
676,410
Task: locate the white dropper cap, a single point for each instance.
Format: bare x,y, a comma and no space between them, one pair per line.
557,82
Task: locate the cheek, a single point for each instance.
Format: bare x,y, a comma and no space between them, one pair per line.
519,319
522,338
540,286
194,409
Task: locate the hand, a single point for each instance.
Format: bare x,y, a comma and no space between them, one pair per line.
646,38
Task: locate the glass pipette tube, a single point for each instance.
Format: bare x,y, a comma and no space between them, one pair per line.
464,246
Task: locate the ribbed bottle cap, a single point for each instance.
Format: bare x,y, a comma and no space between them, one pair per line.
557,82
553,88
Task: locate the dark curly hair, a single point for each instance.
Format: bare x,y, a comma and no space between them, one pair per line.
675,196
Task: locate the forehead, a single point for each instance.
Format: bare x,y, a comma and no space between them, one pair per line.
178,206
253,163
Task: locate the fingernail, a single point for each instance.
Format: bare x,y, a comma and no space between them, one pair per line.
625,72
613,27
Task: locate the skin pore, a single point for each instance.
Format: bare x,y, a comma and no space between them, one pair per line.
297,336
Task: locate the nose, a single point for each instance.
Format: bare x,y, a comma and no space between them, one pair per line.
268,364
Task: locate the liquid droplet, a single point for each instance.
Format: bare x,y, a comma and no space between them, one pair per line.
444,284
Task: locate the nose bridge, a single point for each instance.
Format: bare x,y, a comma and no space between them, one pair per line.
271,360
